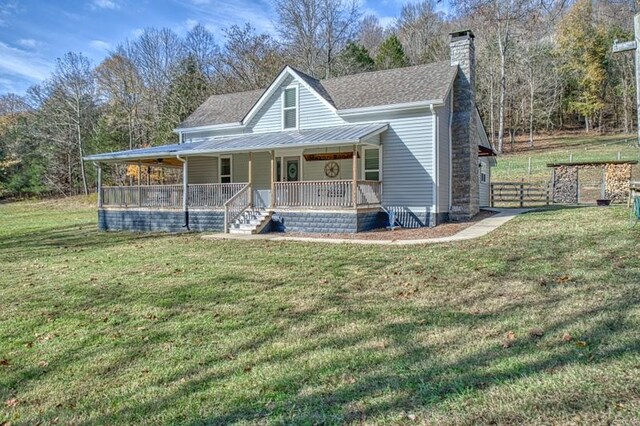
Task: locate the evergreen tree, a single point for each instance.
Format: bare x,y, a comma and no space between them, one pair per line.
391,54
354,59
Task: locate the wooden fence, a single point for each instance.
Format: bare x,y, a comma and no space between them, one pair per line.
520,194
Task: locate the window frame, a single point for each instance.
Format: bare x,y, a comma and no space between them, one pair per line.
364,163
296,107
230,175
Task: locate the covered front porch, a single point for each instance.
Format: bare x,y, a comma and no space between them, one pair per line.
327,174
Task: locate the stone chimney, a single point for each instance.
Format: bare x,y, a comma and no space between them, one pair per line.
464,138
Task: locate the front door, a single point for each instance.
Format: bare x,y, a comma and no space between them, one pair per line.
292,169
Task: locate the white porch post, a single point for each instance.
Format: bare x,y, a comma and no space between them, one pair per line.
139,183
354,189
99,185
250,179
185,185
272,202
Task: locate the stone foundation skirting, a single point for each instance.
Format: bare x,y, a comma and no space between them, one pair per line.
159,220
328,222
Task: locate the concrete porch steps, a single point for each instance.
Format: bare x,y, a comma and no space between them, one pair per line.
251,222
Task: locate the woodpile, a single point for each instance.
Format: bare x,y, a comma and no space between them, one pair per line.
565,184
617,178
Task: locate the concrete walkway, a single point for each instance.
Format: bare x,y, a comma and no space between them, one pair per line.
474,231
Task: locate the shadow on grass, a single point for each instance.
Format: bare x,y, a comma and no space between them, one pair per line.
387,358
79,236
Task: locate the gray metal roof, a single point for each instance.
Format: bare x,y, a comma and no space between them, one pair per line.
429,82
253,142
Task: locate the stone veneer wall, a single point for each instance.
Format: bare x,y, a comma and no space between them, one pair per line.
159,221
327,222
465,185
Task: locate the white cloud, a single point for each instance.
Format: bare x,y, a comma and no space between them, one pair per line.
227,13
387,21
137,32
190,23
105,4
17,62
28,42
100,45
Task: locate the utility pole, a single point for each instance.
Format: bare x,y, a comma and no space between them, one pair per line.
635,46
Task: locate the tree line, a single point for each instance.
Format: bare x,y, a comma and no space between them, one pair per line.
543,66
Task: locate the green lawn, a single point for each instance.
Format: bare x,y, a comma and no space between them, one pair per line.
513,167
100,328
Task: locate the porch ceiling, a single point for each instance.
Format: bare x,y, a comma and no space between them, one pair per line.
312,138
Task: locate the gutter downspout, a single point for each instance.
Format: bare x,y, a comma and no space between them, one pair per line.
185,194
436,165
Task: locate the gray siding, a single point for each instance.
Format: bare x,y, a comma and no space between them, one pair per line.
208,135
484,186
261,164
444,157
314,170
202,169
408,166
240,168
269,117
314,113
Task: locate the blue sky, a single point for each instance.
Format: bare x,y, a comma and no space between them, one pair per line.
34,33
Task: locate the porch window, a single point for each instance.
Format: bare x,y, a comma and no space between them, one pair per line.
225,169
372,164
290,108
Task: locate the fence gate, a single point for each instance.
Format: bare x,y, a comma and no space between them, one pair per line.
511,194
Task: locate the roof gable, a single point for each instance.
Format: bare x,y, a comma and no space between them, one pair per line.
420,83
310,83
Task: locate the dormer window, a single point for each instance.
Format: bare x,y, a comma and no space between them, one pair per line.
290,108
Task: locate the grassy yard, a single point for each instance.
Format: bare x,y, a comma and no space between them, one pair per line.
537,323
515,166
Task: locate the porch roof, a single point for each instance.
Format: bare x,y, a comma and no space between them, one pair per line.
312,138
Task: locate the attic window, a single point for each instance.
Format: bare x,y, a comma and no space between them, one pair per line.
290,108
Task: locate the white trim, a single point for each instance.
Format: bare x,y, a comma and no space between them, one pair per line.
287,71
230,157
297,106
363,170
390,108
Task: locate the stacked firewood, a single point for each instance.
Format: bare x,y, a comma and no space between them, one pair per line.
565,185
617,178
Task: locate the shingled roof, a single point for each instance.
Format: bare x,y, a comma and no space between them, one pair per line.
429,82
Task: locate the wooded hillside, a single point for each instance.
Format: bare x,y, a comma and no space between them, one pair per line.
543,66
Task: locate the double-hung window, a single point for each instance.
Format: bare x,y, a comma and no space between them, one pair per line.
372,164
290,108
225,169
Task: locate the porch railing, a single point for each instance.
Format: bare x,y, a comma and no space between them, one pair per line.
169,196
333,193
369,192
212,194
236,205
